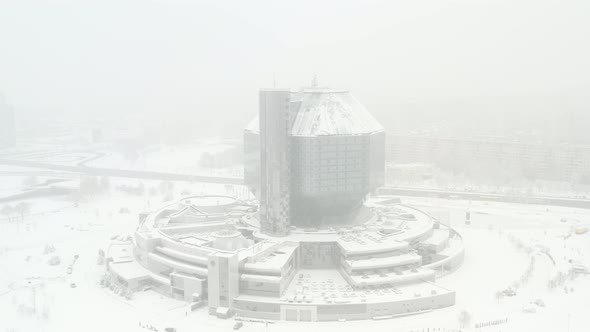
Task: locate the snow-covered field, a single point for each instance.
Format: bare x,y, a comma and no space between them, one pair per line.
180,158
501,242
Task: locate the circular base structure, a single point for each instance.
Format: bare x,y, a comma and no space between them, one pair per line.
383,267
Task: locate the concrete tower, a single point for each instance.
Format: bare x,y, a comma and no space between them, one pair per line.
275,171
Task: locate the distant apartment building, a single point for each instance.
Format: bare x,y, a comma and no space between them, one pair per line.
556,162
7,126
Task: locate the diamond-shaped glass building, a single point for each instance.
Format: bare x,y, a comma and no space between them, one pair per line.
329,155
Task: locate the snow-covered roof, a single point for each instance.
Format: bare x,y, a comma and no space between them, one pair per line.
190,210
322,112
326,112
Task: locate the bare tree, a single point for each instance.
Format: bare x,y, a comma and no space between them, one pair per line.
22,208
7,210
89,186
105,183
464,318
165,187
499,296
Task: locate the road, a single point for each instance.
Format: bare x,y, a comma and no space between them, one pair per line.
164,176
478,196
100,171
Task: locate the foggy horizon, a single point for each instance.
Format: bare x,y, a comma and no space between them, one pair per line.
208,59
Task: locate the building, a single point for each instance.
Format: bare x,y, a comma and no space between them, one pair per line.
535,161
314,248
333,155
7,125
209,248
275,179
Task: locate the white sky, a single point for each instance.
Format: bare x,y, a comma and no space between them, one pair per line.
210,57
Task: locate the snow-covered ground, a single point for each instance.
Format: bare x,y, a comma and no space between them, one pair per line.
179,158
183,159
500,242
